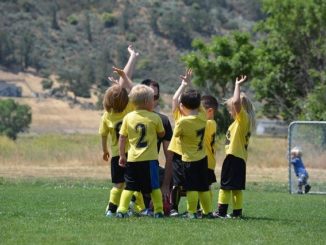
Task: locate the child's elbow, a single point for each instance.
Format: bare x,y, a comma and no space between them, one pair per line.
161,134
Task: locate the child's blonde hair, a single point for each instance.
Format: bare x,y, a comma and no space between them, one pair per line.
247,106
141,94
115,99
296,151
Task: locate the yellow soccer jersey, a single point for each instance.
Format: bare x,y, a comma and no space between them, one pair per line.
210,143
191,131
141,128
110,126
237,136
175,144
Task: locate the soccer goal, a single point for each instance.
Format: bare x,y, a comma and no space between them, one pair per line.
310,138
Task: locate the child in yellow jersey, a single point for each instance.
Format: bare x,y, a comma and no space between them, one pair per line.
140,129
116,105
233,173
190,131
210,105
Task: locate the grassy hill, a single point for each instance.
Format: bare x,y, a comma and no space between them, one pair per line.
56,36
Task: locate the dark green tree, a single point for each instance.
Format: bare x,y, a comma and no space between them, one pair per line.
216,65
291,56
14,118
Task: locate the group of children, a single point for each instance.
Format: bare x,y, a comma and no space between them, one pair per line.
137,131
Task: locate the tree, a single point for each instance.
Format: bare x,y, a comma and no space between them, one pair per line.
14,118
216,65
291,56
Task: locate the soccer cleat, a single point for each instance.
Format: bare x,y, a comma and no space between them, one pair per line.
174,213
190,216
122,215
307,189
158,215
146,212
110,214
216,215
232,216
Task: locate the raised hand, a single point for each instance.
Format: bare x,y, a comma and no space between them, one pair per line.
119,71
186,79
241,79
132,51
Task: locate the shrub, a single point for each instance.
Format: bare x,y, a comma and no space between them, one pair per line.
47,83
72,19
14,118
109,19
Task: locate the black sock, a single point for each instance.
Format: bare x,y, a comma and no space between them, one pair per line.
112,207
222,209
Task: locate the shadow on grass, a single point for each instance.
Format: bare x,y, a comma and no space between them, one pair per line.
261,218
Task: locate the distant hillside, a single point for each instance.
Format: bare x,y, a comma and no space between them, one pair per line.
60,37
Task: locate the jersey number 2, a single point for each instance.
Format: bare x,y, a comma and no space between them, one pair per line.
142,130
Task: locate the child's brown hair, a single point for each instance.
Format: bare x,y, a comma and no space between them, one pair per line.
115,99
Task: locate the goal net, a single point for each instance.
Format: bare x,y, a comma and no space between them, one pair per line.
310,138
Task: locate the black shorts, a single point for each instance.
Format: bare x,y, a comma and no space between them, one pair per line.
196,175
211,177
233,173
117,172
178,173
142,176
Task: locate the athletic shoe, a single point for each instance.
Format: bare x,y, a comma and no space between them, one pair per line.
122,215
146,212
158,215
232,216
300,192
190,216
307,188
216,215
174,213
110,214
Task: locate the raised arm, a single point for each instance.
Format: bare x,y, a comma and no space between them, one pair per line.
130,66
129,69
186,80
236,94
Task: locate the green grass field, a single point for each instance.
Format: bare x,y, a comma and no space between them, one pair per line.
65,211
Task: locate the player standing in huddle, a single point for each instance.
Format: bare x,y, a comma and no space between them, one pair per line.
210,105
190,132
140,129
116,105
166,172
233,173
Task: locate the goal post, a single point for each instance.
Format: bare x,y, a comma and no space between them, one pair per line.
310,137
